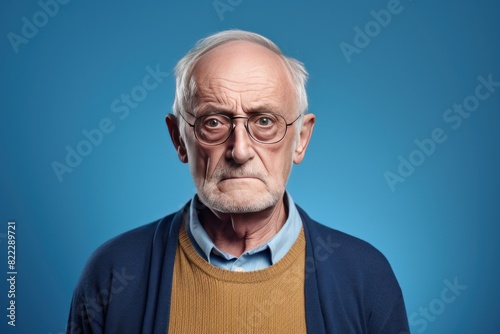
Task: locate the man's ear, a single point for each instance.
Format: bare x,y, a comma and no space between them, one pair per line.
304,137
175,135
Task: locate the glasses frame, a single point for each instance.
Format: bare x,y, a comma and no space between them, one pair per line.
232,118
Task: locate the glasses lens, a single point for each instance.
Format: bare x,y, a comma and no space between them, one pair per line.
213,129
267,128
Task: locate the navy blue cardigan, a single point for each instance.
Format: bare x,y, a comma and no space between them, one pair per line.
126,284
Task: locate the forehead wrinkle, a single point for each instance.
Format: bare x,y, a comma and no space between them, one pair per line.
216,85
206,98
233,79
221,94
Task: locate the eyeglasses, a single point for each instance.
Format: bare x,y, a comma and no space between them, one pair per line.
215,129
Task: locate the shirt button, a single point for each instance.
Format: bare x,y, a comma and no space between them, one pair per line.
239,269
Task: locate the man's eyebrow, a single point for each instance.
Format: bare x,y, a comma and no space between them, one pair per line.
211,109
263,109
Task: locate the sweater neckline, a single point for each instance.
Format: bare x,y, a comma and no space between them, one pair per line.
297,251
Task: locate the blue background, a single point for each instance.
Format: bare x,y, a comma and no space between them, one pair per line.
441,224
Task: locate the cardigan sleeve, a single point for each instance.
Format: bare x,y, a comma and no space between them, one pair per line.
397,321
391,317
110,295
350,285
82,318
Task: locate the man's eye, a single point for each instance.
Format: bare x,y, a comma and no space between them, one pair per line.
212,123
264,121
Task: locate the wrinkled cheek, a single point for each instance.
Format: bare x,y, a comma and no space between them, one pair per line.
198,173
202,167
286,170
195,156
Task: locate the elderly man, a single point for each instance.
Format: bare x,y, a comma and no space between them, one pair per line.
241,256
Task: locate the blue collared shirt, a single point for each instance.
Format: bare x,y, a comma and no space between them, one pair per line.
255,259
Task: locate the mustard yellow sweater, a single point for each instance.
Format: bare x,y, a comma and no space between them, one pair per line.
207,299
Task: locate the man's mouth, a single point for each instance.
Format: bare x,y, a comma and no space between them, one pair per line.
238,177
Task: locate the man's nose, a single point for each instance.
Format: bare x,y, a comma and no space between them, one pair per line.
240,144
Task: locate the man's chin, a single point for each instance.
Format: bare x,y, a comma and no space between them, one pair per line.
233,186
239,201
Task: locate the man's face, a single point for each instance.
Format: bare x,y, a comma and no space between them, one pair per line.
242,175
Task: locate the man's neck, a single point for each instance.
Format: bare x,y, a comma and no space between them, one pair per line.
237,233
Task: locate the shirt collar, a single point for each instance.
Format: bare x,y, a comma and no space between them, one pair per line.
278,246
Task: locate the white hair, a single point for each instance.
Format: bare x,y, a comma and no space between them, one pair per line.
186,87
